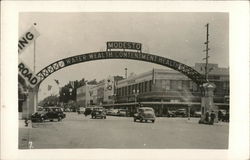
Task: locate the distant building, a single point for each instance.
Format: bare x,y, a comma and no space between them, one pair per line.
84,95
164,89
99,94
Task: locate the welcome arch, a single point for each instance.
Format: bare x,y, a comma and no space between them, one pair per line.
195,76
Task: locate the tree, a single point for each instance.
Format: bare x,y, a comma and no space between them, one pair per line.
49,101
68,92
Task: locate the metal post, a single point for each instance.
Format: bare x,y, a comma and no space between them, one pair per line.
207,49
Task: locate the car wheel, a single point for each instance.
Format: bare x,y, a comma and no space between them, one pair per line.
105,117
153,121
42,119
141,119
134,120
146,120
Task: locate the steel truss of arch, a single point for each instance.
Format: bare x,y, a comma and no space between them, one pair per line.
180,67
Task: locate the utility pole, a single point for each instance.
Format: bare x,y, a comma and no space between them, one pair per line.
206,50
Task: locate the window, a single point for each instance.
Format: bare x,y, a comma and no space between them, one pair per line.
173,85
126,90
145,86
142,87
226,85
150,85
129,90
195,87
167,84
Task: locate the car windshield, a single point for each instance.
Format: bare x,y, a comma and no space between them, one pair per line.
146,110
40,109
98,109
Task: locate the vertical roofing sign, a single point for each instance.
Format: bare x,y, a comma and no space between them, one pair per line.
26,39
24,70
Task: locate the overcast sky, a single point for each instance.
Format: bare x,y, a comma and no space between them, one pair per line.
178,36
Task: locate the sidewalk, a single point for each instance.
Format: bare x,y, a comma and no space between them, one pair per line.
196,120
24,135
21,124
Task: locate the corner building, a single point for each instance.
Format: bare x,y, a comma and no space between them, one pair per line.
165,89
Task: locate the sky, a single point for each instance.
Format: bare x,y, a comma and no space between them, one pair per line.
177,36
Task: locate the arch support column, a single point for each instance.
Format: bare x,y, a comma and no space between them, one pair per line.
30,105
207,101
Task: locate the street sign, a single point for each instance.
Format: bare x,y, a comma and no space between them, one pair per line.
27,74
124,45
27,38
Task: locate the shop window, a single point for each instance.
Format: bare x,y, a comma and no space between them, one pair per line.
142,87
129,90
145,86
150,85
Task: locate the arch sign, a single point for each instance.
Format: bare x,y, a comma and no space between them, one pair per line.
122,54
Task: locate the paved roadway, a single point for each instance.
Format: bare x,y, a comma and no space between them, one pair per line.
78,131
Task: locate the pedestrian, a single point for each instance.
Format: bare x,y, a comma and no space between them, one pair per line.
212,117
220,115
207,117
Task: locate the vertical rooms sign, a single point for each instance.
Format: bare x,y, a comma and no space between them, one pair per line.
26,39
24,70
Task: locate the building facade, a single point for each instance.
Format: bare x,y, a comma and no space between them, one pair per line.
165,89
84,95
102,93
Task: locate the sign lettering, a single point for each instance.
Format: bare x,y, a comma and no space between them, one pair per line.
25,40
124,45
186,70
27,74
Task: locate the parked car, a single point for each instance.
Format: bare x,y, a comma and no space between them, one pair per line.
81,110
171,114
98,112
145,114
87,111
122,112
197,114
115,112
48,113
109,112
181,112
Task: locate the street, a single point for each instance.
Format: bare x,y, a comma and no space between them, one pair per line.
78,131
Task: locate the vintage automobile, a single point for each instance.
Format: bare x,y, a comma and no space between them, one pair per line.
109,112
81,110
196,114
145,114
122,112
171,114
98,112
181,112
48,113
